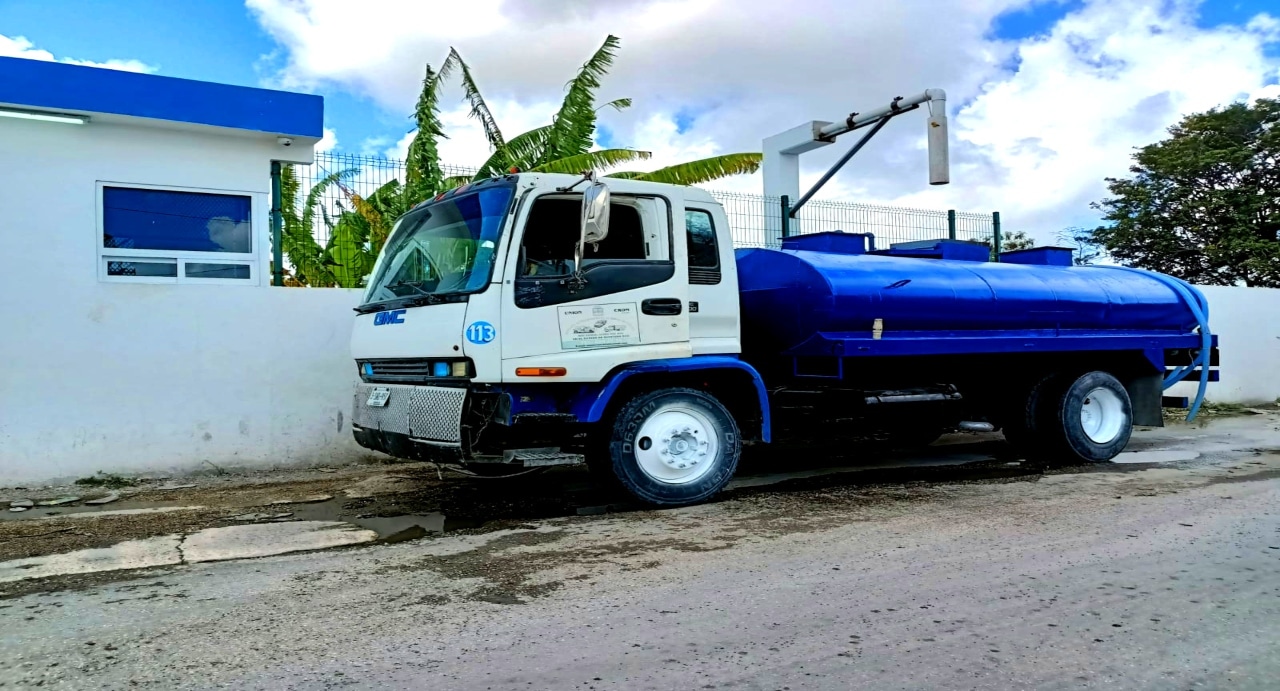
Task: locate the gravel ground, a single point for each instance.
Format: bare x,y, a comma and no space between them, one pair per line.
979,574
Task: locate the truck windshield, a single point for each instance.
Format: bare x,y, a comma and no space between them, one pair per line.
441,248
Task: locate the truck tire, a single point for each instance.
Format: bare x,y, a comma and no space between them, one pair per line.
1023,415
1088,419
674,447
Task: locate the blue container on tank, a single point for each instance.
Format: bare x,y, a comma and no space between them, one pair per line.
802,301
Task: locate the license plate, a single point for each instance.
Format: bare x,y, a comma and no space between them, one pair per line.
379,397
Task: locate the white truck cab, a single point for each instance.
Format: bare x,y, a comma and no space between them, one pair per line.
503,319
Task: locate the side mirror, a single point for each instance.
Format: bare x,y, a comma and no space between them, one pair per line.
595,227
595,213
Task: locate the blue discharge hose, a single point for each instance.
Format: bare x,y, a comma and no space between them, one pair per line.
1199,306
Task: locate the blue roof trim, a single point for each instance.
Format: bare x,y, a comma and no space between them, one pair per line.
55,86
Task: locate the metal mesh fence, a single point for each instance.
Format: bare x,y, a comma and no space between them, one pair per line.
361,175
755,220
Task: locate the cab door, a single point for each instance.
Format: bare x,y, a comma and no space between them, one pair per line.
632,303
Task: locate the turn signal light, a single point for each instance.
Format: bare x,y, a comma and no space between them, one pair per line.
540,371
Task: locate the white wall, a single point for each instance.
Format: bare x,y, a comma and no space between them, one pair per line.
1247,322
124,377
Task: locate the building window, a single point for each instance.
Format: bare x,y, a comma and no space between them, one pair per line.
704,255
156,235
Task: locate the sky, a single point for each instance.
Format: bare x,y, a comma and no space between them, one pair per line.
1047,98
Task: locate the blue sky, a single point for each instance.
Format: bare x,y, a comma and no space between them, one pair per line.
221,41
208,40
719,75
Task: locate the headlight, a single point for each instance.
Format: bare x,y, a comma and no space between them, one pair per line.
460,368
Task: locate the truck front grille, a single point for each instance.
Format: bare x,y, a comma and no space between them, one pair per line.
412,370
430,413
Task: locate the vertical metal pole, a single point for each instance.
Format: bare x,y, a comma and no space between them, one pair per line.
277,220
995,232
786,216
951,224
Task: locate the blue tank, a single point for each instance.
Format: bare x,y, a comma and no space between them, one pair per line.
821,294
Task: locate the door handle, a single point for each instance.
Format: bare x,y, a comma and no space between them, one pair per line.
662,307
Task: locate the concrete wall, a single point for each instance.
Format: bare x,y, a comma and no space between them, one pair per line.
130,377
1247,321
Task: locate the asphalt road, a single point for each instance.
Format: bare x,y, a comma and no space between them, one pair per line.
1133,576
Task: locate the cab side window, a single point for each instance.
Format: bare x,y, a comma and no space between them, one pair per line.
704,254
634,254
551,236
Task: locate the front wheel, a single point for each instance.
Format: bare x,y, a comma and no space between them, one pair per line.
674,447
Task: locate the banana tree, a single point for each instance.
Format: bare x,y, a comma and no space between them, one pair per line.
563,146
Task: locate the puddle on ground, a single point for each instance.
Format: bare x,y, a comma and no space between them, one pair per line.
1169,456
390,529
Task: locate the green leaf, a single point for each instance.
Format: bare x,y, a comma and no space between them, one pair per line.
626,174
422,164
479,109
704,170
523,151
617,104
574,124
348,256
592,160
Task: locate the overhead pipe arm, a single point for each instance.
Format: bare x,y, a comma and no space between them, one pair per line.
781,169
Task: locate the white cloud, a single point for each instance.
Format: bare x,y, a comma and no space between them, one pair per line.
1038,142
1036,124
20,47
328,142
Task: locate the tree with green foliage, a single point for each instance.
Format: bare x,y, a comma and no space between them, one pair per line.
1009,242
1084,249
1204,204
563,146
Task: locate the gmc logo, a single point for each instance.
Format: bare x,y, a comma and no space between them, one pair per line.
392,317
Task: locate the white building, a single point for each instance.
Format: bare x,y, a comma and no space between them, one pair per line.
139,331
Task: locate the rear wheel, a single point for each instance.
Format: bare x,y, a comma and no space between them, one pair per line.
1023,415
674,447
1088,419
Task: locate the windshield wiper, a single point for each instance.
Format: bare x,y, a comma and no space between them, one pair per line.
408,284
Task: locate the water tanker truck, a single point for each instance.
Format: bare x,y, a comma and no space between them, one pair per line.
535,319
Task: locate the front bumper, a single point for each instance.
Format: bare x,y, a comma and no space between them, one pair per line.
418,422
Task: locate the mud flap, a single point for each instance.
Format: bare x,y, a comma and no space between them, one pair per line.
1145,395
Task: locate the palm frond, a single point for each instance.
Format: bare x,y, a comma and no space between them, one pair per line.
524,151
618,104
318,190
422,164
592,160
704,170
479,109
626,175
575,122
456,181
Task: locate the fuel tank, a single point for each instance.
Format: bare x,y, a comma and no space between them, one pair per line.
826,289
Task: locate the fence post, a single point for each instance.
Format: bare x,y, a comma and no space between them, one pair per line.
995,232
951,224
277,220
786,216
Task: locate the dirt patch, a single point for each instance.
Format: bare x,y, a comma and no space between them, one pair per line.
48,587
33,538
